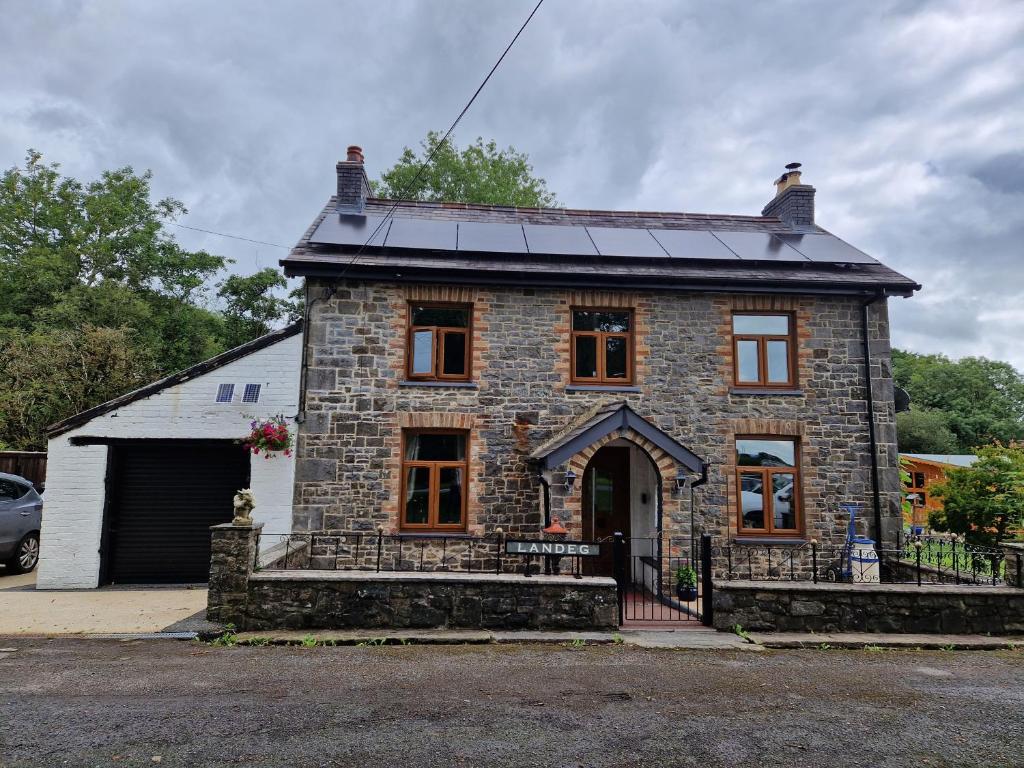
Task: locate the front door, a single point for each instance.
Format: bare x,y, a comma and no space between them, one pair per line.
605,504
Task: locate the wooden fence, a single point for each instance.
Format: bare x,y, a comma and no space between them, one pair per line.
28,464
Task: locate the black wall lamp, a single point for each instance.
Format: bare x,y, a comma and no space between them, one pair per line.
570,479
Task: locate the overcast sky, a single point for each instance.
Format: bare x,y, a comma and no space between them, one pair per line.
907,116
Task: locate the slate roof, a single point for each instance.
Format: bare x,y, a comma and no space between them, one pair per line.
951,459
602,421
520,268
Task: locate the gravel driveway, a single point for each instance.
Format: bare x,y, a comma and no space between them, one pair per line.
139,703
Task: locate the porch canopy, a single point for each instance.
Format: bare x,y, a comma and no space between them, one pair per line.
603,422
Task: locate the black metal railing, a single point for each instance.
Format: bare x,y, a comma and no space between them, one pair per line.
662,579
408,552
916,560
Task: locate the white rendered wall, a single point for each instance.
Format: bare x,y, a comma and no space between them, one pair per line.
73,508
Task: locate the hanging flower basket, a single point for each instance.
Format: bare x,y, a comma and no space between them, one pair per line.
269,437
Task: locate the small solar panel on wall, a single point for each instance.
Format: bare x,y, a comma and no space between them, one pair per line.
251,394
225,393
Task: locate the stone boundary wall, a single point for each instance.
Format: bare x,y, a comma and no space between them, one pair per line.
354,599
311,599
896,608
1014,572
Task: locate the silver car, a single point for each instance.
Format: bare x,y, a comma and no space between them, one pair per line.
21,512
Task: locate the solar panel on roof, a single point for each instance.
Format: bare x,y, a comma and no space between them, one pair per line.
758,246
492,238
611,241
559,241
349,229
422,233
820,247
692,244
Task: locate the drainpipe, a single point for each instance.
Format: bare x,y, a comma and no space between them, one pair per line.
547,497
693,503
877,498
300,417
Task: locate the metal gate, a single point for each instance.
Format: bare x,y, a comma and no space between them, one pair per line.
664,580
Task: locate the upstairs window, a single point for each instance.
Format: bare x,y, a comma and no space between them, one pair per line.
251,393
768,479
438,343
434,473
225,393
602,346
763,350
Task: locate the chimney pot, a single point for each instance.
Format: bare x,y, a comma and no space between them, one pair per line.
794,200
353,184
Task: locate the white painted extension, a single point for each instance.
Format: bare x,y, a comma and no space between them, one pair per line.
183,407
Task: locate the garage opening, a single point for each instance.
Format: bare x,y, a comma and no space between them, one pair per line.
162,498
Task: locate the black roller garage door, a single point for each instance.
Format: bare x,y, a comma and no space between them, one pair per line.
163,497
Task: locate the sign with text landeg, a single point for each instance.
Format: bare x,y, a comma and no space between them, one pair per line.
566,548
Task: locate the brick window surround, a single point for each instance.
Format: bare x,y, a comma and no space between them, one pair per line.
440,328
640,308
427,421
768,475
764,343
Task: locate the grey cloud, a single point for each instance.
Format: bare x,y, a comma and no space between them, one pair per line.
906,115
1003,173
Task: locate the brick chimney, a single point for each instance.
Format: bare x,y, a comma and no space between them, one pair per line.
794,202
353,184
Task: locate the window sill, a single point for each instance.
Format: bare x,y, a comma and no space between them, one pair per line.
762,540
766,391
442,384
432,535
602,388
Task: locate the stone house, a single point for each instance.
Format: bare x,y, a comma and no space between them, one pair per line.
469,367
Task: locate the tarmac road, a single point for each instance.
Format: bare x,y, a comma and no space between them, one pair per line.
175,703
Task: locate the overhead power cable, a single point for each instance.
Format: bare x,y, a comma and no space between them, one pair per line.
430,157
233,237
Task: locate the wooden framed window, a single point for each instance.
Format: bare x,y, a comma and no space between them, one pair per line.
768,480
763,350
434,484
602,346
438,344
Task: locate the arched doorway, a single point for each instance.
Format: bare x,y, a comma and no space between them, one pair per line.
621,493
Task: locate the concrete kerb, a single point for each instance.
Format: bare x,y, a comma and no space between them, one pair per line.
638,638
865,640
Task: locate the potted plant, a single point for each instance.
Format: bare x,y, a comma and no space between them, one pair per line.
686,584
269,437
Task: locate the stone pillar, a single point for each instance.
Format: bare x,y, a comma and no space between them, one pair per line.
232,559
1014,554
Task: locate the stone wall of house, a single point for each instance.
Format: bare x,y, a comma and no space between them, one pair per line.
348,471
900,608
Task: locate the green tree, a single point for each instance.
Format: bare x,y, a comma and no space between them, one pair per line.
986,500
923,430
49,375
982,400
91,276
479,173
250,305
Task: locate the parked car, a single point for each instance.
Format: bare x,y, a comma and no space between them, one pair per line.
753,503
21,511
